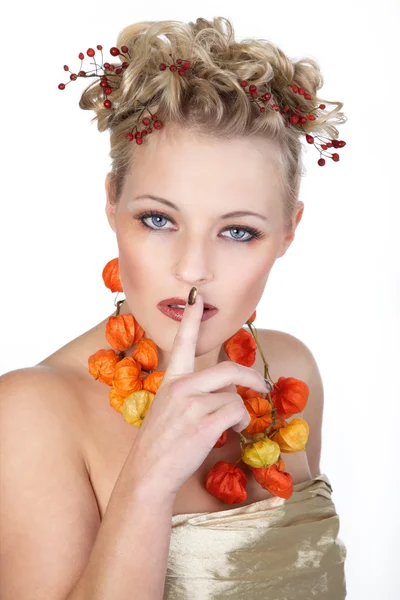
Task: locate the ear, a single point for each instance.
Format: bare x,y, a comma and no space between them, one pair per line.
290,236
111,199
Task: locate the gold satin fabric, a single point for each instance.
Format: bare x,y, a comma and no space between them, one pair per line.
273,549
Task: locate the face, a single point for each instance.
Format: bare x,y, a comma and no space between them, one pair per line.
228,259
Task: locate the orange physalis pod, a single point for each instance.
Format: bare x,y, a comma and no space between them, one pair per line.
116,401
241,348
290,396
136,406
111,276
276,481
146,354
279,423
261,454
246,392
221,441
120,332
293,438
152,382
127,377
253,317
260,411
226,482
102,365
139,332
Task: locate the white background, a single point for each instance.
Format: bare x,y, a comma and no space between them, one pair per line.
336,289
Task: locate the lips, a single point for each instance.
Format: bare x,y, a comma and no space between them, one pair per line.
182,302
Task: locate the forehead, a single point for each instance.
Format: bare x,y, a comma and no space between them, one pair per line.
185,162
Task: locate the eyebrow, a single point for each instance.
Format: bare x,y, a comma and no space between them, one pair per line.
235,213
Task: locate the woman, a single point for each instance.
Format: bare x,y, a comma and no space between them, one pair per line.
99,496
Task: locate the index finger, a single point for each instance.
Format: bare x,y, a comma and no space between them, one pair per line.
183,351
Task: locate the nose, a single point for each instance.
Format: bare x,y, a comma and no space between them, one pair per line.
194,266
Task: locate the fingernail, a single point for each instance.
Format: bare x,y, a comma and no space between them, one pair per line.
192,296
269,386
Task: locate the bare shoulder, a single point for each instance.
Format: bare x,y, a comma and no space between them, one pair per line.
47,499
290,357
42,392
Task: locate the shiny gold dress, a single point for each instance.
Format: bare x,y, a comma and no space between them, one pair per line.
273,549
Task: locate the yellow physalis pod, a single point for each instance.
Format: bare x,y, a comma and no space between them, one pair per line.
136,406
261,454
293,438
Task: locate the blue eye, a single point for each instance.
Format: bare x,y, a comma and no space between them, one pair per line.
154,215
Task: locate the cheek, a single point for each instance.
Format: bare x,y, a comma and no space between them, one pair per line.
135,267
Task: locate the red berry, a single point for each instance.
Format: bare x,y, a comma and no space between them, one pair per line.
154,117
243,83
82,73
125,65
294,88
275,107
307,96
90,52
99,47
124,49
309,138
107,91
114,51
81,55
106,65
301,91
322,106
321,162
103,84
157,124
303,120
66,68
186,65
163,66
118,71
107,103
181,72
146,121
253,88
266,96
139,140
179,61
335,157
129,136
262,109
311,117
173,68
138,134
61,86
73,76
294,119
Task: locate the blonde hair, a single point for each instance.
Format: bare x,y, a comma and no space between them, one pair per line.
215,104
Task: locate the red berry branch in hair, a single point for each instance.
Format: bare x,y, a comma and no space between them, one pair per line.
292,115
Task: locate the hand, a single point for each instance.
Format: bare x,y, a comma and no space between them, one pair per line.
189,411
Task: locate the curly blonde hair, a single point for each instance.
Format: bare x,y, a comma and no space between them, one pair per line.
214,104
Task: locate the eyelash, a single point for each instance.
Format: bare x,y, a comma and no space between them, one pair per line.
255,233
